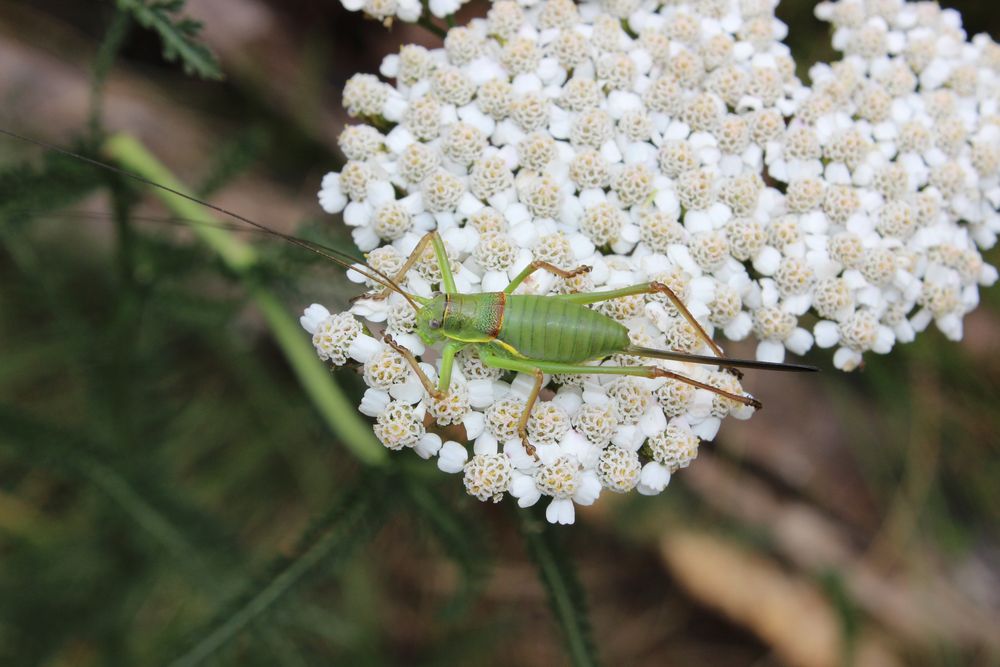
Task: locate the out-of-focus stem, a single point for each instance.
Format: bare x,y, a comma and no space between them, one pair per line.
337,411
558,577
430,26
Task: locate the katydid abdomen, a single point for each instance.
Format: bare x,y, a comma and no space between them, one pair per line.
547,328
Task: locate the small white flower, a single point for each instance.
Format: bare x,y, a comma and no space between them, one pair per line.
653,479
618,469
452,457
313,317
488,476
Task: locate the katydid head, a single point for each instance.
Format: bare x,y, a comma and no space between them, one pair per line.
430,319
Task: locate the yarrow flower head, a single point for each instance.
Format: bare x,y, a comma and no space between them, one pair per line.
668,144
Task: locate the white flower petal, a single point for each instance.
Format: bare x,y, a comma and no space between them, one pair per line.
452,457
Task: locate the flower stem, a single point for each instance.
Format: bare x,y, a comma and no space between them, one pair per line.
429,25
558,577
334,407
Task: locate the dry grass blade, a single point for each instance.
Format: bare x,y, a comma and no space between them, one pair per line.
921,609
756,593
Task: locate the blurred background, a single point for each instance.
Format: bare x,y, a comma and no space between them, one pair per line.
168,494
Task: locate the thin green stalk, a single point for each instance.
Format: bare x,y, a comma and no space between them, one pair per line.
128,314
429,25
558,576
337,411
114,38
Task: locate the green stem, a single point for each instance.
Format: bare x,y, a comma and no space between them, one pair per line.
336,410
426,23
114,38
122,332
558,577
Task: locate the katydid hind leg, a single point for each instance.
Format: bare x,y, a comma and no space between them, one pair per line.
552,367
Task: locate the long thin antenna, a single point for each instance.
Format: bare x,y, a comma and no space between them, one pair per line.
724,362
333,255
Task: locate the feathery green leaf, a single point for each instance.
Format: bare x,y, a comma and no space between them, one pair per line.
29,190
566,597
461,537
178,34
353,519
51,447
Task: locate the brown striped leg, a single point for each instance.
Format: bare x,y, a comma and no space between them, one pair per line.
415,365
522,423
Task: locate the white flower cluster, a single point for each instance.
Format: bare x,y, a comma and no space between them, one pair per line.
685,142
593,432
892,171
553,133
668,143
409,11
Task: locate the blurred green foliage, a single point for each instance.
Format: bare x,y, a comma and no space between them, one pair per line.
168,495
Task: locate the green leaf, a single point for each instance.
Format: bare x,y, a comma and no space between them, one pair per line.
353,520
50,447
232,158
27,190
558,576
462,539
179,35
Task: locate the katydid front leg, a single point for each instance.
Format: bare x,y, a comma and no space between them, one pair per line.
447,364
529,405
429,387
440,254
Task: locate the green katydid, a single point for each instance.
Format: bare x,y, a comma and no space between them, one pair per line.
543,334
522,333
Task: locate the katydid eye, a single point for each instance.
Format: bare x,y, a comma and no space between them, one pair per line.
435,324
